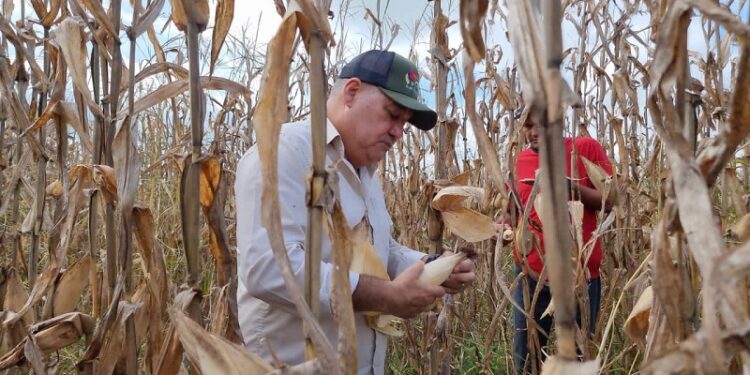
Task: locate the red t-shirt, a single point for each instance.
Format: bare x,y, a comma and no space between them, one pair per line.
526,166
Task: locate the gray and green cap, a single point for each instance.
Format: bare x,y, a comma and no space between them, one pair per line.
397,78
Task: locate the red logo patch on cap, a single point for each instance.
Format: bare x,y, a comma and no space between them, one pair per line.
412,75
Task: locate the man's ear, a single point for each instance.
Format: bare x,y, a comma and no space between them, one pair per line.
351,88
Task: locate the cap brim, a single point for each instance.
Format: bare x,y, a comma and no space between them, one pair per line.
423,117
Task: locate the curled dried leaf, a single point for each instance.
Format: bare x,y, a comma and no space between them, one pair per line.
636,325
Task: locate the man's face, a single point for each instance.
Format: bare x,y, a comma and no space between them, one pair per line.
531,132
376,124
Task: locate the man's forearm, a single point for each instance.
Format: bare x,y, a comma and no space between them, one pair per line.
371,294
590,197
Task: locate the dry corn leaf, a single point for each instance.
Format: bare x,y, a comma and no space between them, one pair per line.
114,346
103,20
736,191
740,231
210,354
54,189
69,116
69,36
50,336
461,178
556,365
184,11
212,200
472,19
46,17
7,7
156,278
16,296
147,17
486,147
41,287
222,22
175,88
636,325
70,287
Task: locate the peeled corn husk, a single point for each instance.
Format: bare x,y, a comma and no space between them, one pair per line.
464,222
636,326
602,181
365,259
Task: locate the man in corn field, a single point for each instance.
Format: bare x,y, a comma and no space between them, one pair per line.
374,97
529,255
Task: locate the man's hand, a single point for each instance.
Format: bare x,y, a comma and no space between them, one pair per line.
461,277
404,297
409,296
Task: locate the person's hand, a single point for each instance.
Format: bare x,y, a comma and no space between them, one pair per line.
409,296
461,277
503,230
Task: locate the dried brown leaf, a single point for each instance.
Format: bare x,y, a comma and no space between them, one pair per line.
472,15
178,87
97,10
70,287
69,37
16,296
636,325
147,17
210,354
222,22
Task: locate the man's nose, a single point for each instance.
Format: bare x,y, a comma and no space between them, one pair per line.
397,130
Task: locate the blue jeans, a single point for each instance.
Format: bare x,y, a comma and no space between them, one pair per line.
521,337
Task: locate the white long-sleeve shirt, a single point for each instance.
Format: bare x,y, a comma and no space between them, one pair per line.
268,318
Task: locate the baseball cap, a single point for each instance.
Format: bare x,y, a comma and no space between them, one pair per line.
397,78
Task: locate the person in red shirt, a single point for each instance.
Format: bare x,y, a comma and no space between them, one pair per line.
532,263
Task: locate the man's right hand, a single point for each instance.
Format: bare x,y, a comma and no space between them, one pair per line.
409,296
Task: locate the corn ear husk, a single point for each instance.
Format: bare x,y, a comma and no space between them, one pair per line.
636,326
437,271
558,366
602,181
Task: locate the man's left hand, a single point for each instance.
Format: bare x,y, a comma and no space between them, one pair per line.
462,276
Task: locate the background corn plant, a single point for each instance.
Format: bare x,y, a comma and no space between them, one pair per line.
117,220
